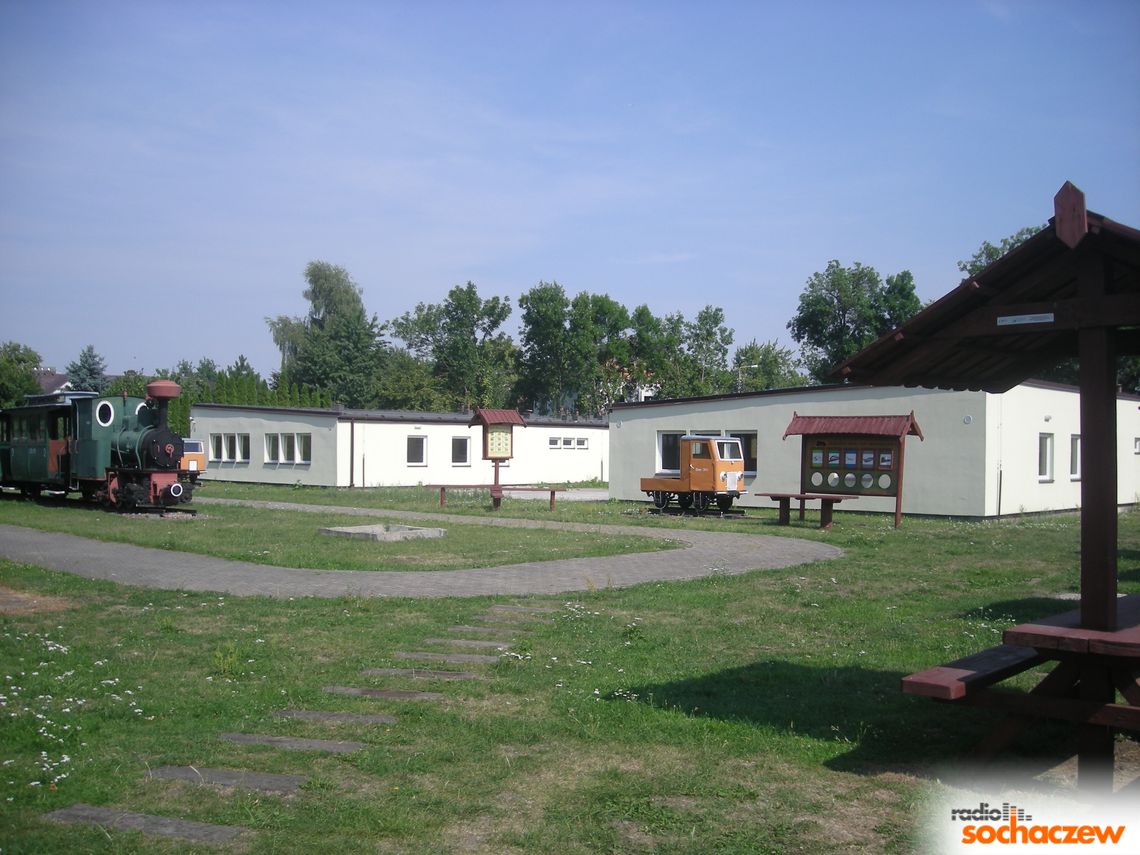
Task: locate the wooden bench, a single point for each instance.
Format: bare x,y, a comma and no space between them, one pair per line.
826,503
954,680
502,488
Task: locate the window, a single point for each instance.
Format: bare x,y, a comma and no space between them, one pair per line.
747,447
1075,457
243,448
272,448
567,442
288,448
417,451
1044,457
280,447
231,446
215,446
582,443
700,451
304,447
728,451
460,451
554,443
669,451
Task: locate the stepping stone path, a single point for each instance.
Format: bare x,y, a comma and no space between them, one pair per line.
230,778
110,818
163,826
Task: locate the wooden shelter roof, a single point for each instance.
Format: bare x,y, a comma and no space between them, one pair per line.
1021,314
896,426
485,416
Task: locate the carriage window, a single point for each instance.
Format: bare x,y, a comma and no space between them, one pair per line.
105,413
701,451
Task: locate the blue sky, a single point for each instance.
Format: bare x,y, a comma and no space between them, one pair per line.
167,170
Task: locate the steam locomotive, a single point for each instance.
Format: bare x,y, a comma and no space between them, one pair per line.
117,450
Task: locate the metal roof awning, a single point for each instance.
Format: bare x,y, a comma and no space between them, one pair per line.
896,426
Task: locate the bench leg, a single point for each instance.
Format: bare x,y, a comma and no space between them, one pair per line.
552,500
825,507
442,496
802,501
785,511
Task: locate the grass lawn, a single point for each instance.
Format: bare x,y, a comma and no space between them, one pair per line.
746,714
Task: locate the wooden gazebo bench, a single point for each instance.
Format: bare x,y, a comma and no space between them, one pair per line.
505,488
827,503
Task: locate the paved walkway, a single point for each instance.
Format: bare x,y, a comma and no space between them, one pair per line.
705,553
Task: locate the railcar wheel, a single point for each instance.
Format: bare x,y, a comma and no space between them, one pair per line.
661,499
700,501
724,502
685,500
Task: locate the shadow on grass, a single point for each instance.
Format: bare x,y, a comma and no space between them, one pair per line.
863,711
1020,611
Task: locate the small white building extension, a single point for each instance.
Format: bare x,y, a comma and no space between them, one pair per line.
984,455
368,448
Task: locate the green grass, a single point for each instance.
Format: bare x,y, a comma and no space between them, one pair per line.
748,714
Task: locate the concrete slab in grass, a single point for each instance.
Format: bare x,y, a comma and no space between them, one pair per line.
340,717
420,674
385,694
238,778
451,658
384,532
333,746
163,826
486,644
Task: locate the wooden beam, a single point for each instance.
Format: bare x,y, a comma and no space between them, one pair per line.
1071,220
1027,318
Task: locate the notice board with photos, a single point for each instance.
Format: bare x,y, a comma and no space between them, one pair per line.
853,455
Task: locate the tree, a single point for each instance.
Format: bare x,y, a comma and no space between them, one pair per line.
765,366
130,382
408,383
461,338
843,309
543,359
597,352
88,372
707,340
337,347
18,364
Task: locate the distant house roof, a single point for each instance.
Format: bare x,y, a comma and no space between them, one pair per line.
52,381
897,426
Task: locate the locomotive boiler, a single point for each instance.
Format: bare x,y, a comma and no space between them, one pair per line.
118,450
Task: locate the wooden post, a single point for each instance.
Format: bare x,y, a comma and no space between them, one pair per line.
899,481
496,490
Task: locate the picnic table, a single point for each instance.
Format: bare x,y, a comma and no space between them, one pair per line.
827,503
1091,666
497,490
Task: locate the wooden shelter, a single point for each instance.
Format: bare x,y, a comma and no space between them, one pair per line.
1070,291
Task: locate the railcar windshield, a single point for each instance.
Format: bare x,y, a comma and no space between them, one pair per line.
728,449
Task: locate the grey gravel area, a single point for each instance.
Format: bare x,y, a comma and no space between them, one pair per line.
704,553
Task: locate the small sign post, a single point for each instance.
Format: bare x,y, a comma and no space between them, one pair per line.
498,442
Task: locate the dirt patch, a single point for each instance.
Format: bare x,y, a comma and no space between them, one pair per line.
14,602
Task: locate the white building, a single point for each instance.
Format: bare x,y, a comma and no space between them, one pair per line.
366,448
984,454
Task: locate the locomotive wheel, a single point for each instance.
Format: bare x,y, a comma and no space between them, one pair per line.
724,502
685,500
700,501
661,499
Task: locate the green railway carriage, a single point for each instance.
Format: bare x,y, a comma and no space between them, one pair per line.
115,449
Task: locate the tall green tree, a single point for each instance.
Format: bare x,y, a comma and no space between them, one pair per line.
598,352
18,364
843,309
461,337
543,360
758,367
707,341
337,347
88,373
988,253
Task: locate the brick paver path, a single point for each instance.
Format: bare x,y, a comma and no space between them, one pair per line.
705,553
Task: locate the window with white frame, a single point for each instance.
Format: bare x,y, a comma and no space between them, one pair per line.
229,447
554,443
417,451
669,451
304,448
1075,457
748,445
582,443
288,448
1044,457
216,444
272,448
461,451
